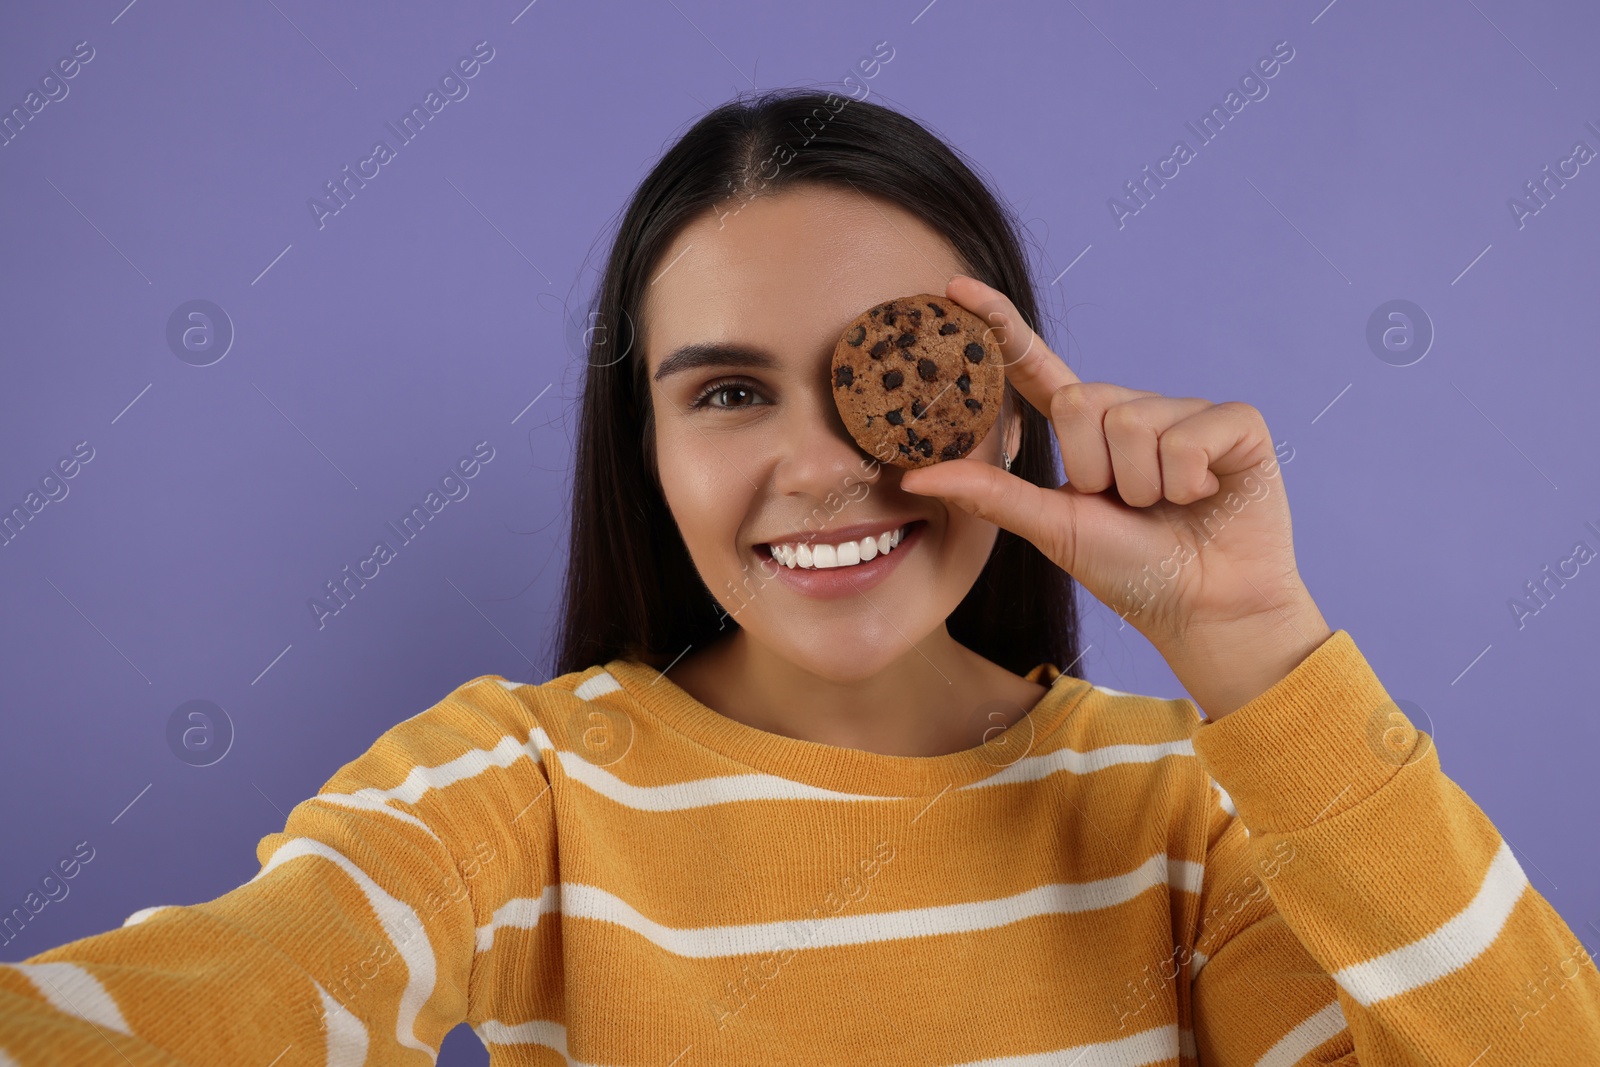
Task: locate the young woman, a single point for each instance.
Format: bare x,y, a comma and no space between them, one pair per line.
865,813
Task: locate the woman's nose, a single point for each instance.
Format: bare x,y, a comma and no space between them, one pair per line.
816,454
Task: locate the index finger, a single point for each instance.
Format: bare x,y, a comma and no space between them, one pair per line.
1036,371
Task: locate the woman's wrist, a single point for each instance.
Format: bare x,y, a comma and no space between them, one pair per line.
1224,666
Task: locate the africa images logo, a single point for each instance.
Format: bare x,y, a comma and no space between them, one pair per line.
1252,87
453,87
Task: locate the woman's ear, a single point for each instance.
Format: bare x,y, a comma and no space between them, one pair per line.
1013,426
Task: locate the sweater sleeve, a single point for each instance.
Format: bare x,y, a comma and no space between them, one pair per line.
367,935
1360,908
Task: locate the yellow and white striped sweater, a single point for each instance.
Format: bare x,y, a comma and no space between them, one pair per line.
602,870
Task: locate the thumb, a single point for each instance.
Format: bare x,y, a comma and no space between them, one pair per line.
1043,516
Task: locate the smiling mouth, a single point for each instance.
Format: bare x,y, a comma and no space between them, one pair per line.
823,555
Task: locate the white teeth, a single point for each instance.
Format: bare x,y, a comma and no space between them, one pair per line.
845,554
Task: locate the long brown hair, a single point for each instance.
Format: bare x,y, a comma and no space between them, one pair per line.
631,588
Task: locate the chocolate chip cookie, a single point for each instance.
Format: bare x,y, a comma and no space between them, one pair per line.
918,379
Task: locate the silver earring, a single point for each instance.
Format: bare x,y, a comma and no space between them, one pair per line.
1005,460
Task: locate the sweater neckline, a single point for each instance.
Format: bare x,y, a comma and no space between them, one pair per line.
838,768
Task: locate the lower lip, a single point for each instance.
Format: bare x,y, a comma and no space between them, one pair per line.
833,582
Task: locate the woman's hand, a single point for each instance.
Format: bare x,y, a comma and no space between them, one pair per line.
1173,515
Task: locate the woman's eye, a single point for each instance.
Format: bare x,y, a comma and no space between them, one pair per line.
724,389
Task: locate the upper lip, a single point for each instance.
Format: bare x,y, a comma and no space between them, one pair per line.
838,534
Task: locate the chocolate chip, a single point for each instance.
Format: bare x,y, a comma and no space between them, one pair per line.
894,417
843,376
879,349
937,310
857,335
957,448
893,379
906,340
974,352
964,384
927,370
919,444
974,405
949,328
917,407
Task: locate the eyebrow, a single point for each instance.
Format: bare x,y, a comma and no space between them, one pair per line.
715,354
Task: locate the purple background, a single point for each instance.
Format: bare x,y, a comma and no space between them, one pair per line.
429,314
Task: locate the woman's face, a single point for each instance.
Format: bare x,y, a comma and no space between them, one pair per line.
751,449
